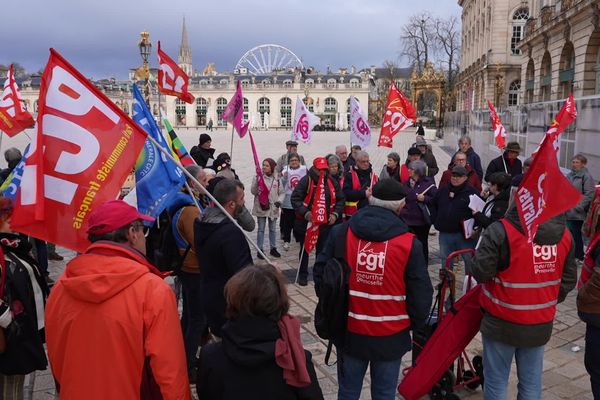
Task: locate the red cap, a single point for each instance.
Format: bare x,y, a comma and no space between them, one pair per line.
320,163
112,215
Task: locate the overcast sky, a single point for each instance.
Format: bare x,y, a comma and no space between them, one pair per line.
100,36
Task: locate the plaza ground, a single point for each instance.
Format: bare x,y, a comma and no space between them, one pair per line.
564,373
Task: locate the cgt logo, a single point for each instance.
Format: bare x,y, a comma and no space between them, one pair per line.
370,258
544,254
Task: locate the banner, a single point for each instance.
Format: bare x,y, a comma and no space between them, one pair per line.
544,192
13,118
304,122
13,181
263,190
157,178
234,112
399,115
318,212
171,79
84,149
177,148
499,131
360,131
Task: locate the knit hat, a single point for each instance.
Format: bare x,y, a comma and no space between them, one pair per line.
389,189
204,138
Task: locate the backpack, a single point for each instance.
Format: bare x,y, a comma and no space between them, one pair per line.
165,255
331,312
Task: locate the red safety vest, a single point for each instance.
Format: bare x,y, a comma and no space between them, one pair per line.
588,262
527,291
377,297
351,207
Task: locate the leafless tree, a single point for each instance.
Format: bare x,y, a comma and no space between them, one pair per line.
419,40
447,37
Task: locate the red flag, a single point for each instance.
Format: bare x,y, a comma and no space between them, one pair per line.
564,118
499,131
13,118
318,212
171,79
399,115
84,149
263,190
544,192
234,112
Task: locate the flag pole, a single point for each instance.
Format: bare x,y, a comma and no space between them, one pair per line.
207,193
231,148
301,255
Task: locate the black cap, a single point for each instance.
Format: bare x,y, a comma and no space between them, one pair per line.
413,151
291,143
459,170
204,138
389,189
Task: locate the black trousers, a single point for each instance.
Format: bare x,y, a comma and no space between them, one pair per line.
422,233
300,234
286,224
592,357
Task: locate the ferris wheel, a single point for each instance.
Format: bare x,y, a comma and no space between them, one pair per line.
266,58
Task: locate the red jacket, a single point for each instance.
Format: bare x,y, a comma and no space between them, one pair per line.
377,297
527,291
473,178
112,328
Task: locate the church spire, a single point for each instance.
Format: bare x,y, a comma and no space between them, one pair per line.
185,53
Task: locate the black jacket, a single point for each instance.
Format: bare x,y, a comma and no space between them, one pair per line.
497,165
301,190
493,255
364,177
222,250
429,159
418,285
498,205
243,366
201,156
448,212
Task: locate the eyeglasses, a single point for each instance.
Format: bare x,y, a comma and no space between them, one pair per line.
138,225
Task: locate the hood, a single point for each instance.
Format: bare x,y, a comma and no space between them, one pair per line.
550,232
210,222
583,171
250,342
100,273
388,224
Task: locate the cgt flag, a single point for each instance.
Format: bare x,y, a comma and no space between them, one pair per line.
499,131
234,112
304,122
544,192
157,178
399,115
84,149
171,79
13,118
360,131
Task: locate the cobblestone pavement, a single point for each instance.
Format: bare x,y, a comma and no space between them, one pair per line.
564,373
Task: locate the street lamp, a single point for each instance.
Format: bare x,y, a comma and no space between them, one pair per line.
145,47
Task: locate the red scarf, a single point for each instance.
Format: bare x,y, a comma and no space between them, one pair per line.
289,353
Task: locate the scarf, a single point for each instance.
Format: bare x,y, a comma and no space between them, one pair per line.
318,209
289,353
17,244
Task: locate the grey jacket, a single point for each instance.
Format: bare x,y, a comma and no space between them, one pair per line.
584,183
493,255
275,190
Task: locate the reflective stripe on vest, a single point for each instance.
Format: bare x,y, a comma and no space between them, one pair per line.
351,207
588,261
377,291
527,291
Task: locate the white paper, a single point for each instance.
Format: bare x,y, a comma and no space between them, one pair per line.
468,226
476,203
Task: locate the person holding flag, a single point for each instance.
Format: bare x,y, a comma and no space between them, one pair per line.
267,205
316,196
358,183
507,162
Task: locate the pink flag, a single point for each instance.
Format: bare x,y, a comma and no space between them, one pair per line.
499,131
263,190
234,112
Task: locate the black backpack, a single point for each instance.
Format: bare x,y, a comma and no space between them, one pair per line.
332,308
165,253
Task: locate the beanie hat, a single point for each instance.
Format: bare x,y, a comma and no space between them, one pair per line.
204,138
389,189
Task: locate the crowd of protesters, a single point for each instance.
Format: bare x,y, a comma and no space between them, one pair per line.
110,321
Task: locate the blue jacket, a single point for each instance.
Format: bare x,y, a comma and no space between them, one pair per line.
449,212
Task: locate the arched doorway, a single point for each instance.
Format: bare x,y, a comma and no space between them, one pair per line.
221,105
529,81
285,105
201,111
591,76
329,116
566,70
546,77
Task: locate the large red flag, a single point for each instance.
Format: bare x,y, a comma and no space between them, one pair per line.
13,118
399,115
84,149
564,118
499,131
171,79
544,192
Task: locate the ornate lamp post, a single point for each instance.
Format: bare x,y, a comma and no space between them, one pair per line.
145,47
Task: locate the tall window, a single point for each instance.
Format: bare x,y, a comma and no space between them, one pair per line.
330,116
513,92
221,104
348,112
246,109
546,78
264,107
330,105
519,19
201,111
530,81
566,72
180,112
286,111
597,71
